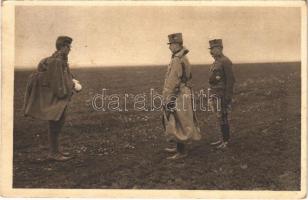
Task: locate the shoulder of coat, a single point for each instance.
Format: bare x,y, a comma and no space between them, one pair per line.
42,63
43,60
225,60
54,60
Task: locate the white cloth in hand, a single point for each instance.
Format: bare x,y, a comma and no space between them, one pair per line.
77,85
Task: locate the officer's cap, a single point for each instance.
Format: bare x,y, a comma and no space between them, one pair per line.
175,38
215,43
63,41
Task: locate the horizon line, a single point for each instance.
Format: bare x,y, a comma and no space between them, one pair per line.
153,65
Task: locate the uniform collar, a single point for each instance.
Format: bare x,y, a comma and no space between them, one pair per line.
181,53
218,57
60,55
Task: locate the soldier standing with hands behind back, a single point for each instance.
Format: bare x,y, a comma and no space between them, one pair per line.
221,86
179,118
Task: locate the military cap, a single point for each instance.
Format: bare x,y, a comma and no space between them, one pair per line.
175,38
215,43
62,41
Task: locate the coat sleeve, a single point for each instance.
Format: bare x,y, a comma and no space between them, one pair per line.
56,79
174,79
70,72
229,79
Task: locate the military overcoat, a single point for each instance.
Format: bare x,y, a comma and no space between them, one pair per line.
180,123
49,89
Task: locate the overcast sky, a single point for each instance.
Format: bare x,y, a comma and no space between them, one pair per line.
137,35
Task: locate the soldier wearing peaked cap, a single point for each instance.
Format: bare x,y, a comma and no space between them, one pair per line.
179,118
49,91
221,86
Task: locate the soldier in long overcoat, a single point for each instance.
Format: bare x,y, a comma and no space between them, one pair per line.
48,93
221,82
179,118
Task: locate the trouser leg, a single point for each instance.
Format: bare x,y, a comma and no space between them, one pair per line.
224,126
225,132
220,107
53,137
54,132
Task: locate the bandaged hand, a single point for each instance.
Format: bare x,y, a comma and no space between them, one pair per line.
77,85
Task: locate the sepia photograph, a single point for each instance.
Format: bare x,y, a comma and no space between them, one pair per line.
167,97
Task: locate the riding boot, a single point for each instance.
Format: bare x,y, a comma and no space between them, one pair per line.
225,132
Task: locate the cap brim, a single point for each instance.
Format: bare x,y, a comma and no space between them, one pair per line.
215,46
173,43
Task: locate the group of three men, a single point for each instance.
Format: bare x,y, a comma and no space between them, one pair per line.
51,87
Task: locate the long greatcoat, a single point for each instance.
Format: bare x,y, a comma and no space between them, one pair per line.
49,89
181,123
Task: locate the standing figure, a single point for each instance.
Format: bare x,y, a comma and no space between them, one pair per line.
179,118
221,89
49,91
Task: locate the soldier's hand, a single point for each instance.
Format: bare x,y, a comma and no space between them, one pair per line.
77,85
170,105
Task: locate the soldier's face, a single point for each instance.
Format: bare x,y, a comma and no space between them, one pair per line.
66,49
215,51
174,47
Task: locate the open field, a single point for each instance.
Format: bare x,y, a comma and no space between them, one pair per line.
125,149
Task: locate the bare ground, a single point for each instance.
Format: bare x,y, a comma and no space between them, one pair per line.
125,149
